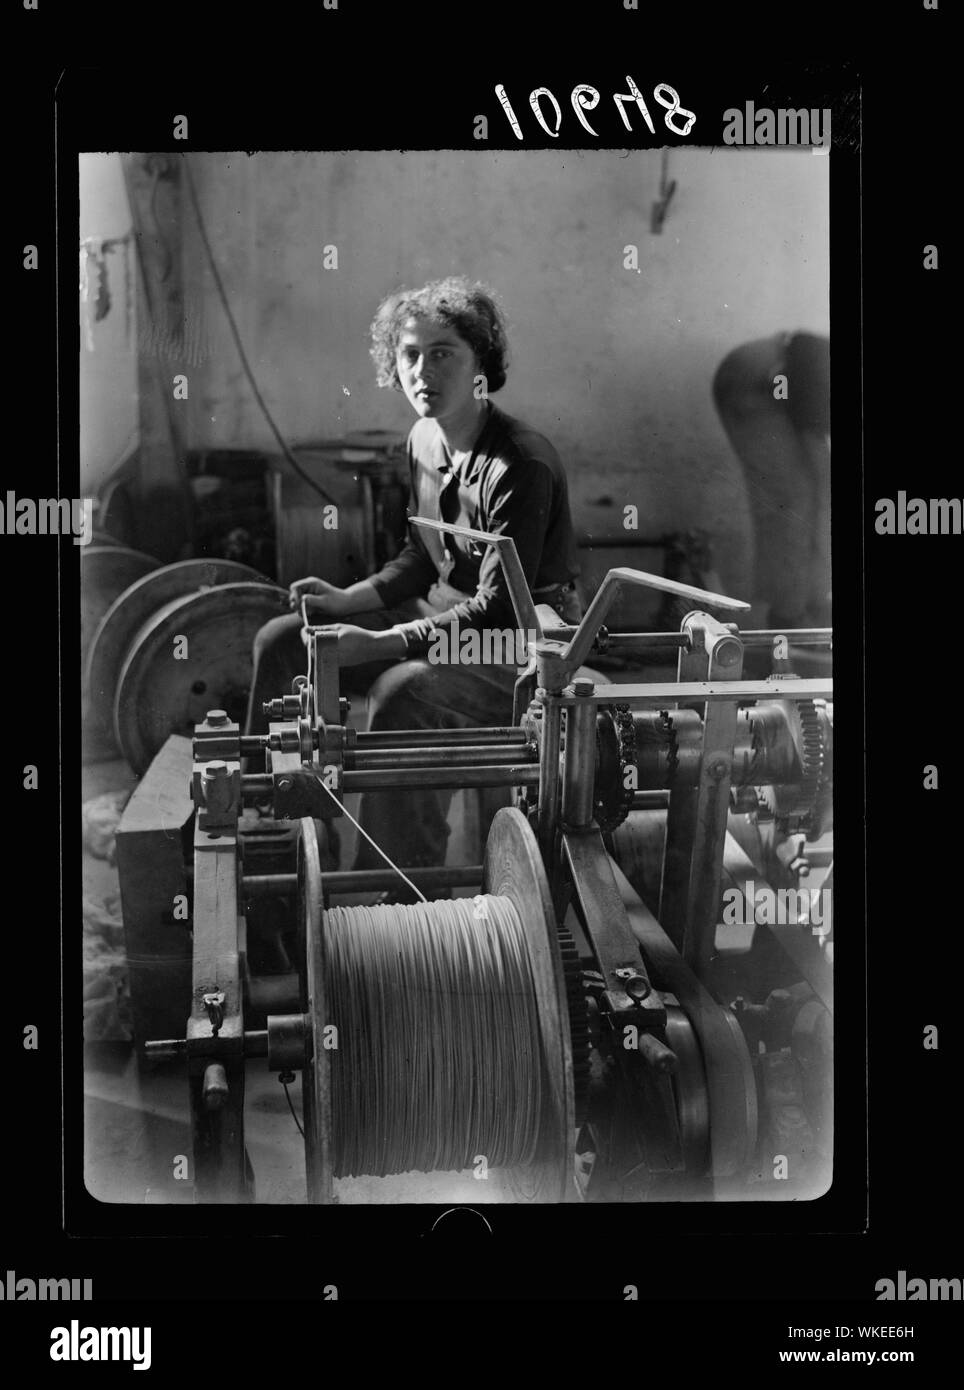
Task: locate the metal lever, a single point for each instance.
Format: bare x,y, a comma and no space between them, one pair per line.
578,648
525,610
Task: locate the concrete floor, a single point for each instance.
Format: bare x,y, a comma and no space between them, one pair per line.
136,1122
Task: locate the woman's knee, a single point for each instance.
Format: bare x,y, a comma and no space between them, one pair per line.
401,697
277,633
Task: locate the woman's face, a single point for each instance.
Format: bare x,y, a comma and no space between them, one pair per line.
437,369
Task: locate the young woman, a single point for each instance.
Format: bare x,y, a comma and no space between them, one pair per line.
444,346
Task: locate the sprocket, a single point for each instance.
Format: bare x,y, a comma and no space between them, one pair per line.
616,753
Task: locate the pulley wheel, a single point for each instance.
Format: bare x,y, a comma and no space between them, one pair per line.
689,1085
192,655
131,610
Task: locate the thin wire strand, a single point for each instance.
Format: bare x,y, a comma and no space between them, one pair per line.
440,1061
375,847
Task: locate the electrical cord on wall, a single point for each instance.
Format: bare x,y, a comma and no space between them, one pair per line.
222,295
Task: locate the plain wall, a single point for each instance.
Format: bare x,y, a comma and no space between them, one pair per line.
614,365
109,425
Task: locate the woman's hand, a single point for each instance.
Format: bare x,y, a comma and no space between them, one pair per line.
357,645
324,600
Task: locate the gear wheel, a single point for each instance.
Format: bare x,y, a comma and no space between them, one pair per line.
578,1020
794,806
616,752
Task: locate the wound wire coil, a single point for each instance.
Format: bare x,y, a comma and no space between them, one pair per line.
440,1057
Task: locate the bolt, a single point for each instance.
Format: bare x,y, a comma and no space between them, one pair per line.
718,769
215,1087
636,986
217,716
583,686
216,769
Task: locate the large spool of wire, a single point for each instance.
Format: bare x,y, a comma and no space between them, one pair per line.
441,1058
453,1033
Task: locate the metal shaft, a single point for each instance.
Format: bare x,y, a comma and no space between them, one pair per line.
418,738
443,778
675,641
389,759
361,880
257,786
268,885
366,880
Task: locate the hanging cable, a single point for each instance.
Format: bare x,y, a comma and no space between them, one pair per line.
246,366
286,1077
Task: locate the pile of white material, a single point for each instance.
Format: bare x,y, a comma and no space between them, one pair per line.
106,1001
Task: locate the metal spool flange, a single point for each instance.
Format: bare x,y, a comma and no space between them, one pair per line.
105,572
159,694
131,610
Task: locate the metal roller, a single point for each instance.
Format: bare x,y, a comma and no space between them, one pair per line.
159,693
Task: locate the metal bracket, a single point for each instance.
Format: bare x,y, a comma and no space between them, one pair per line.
628,995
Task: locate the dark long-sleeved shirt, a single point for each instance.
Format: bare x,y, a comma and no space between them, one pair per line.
513,484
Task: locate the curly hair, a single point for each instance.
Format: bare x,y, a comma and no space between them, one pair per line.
471,310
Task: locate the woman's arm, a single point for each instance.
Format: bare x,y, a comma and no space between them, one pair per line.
324,600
